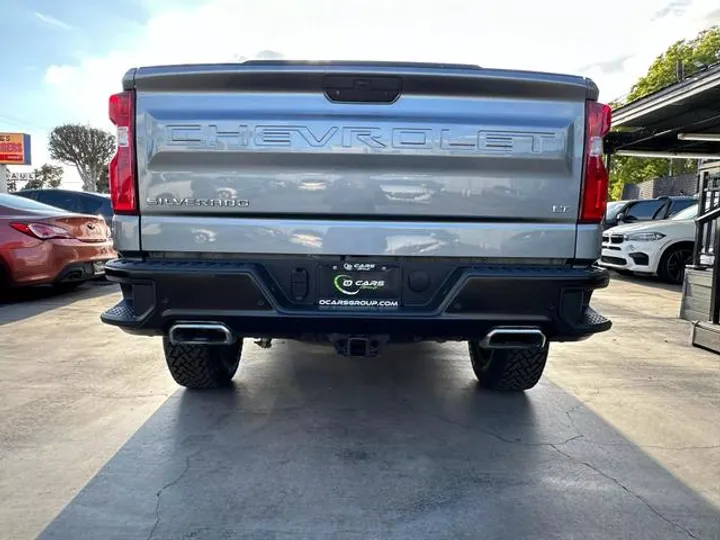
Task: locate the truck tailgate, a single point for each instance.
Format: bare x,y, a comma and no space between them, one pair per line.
363,159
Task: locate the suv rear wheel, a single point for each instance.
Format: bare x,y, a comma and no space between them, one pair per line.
202,366
512,370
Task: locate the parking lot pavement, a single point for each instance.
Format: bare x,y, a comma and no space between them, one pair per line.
620,439
72,393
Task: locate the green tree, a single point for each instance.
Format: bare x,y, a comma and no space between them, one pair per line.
35,183
103,183
89,149
693,54
46,176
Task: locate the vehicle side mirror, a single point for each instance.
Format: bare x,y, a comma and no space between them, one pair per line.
621,217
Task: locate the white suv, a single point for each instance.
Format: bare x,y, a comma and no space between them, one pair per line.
660,248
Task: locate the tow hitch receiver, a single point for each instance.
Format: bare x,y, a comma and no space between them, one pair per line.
358,346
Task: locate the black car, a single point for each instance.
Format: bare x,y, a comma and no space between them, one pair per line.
73,201
631,211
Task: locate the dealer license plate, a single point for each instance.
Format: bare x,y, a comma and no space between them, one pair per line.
98,267
359,286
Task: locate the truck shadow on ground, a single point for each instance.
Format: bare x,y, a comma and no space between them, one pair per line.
19,304
307,445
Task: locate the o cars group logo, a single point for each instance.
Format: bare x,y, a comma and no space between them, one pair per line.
347,285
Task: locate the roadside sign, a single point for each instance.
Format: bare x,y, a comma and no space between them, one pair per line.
15,149
20,176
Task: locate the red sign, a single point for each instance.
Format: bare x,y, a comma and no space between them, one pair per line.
14,149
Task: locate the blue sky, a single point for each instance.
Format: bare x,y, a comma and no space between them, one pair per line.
62,58
40,33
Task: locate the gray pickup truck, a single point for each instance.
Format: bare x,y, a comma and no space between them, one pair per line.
357,204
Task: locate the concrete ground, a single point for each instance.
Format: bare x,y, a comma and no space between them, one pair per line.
620,440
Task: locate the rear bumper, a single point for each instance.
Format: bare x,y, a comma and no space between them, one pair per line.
81,271
56,261
255,300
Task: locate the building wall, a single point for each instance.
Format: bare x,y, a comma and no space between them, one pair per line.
682,184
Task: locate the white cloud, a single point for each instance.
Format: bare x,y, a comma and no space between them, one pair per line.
554,35
59,75
52,21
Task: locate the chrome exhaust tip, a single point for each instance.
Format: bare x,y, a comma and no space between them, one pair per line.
200,333
514,338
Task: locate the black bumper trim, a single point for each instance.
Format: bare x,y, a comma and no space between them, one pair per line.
78,271
246,296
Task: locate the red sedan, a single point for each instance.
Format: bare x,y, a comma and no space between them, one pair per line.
41,244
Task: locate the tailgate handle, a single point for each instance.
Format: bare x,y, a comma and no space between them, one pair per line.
359,89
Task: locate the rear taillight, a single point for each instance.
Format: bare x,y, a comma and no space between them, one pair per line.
595,178
41,231
122,165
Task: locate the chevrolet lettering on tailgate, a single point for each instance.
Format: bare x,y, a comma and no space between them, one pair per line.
230,135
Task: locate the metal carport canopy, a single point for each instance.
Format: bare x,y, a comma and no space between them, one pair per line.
681,120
